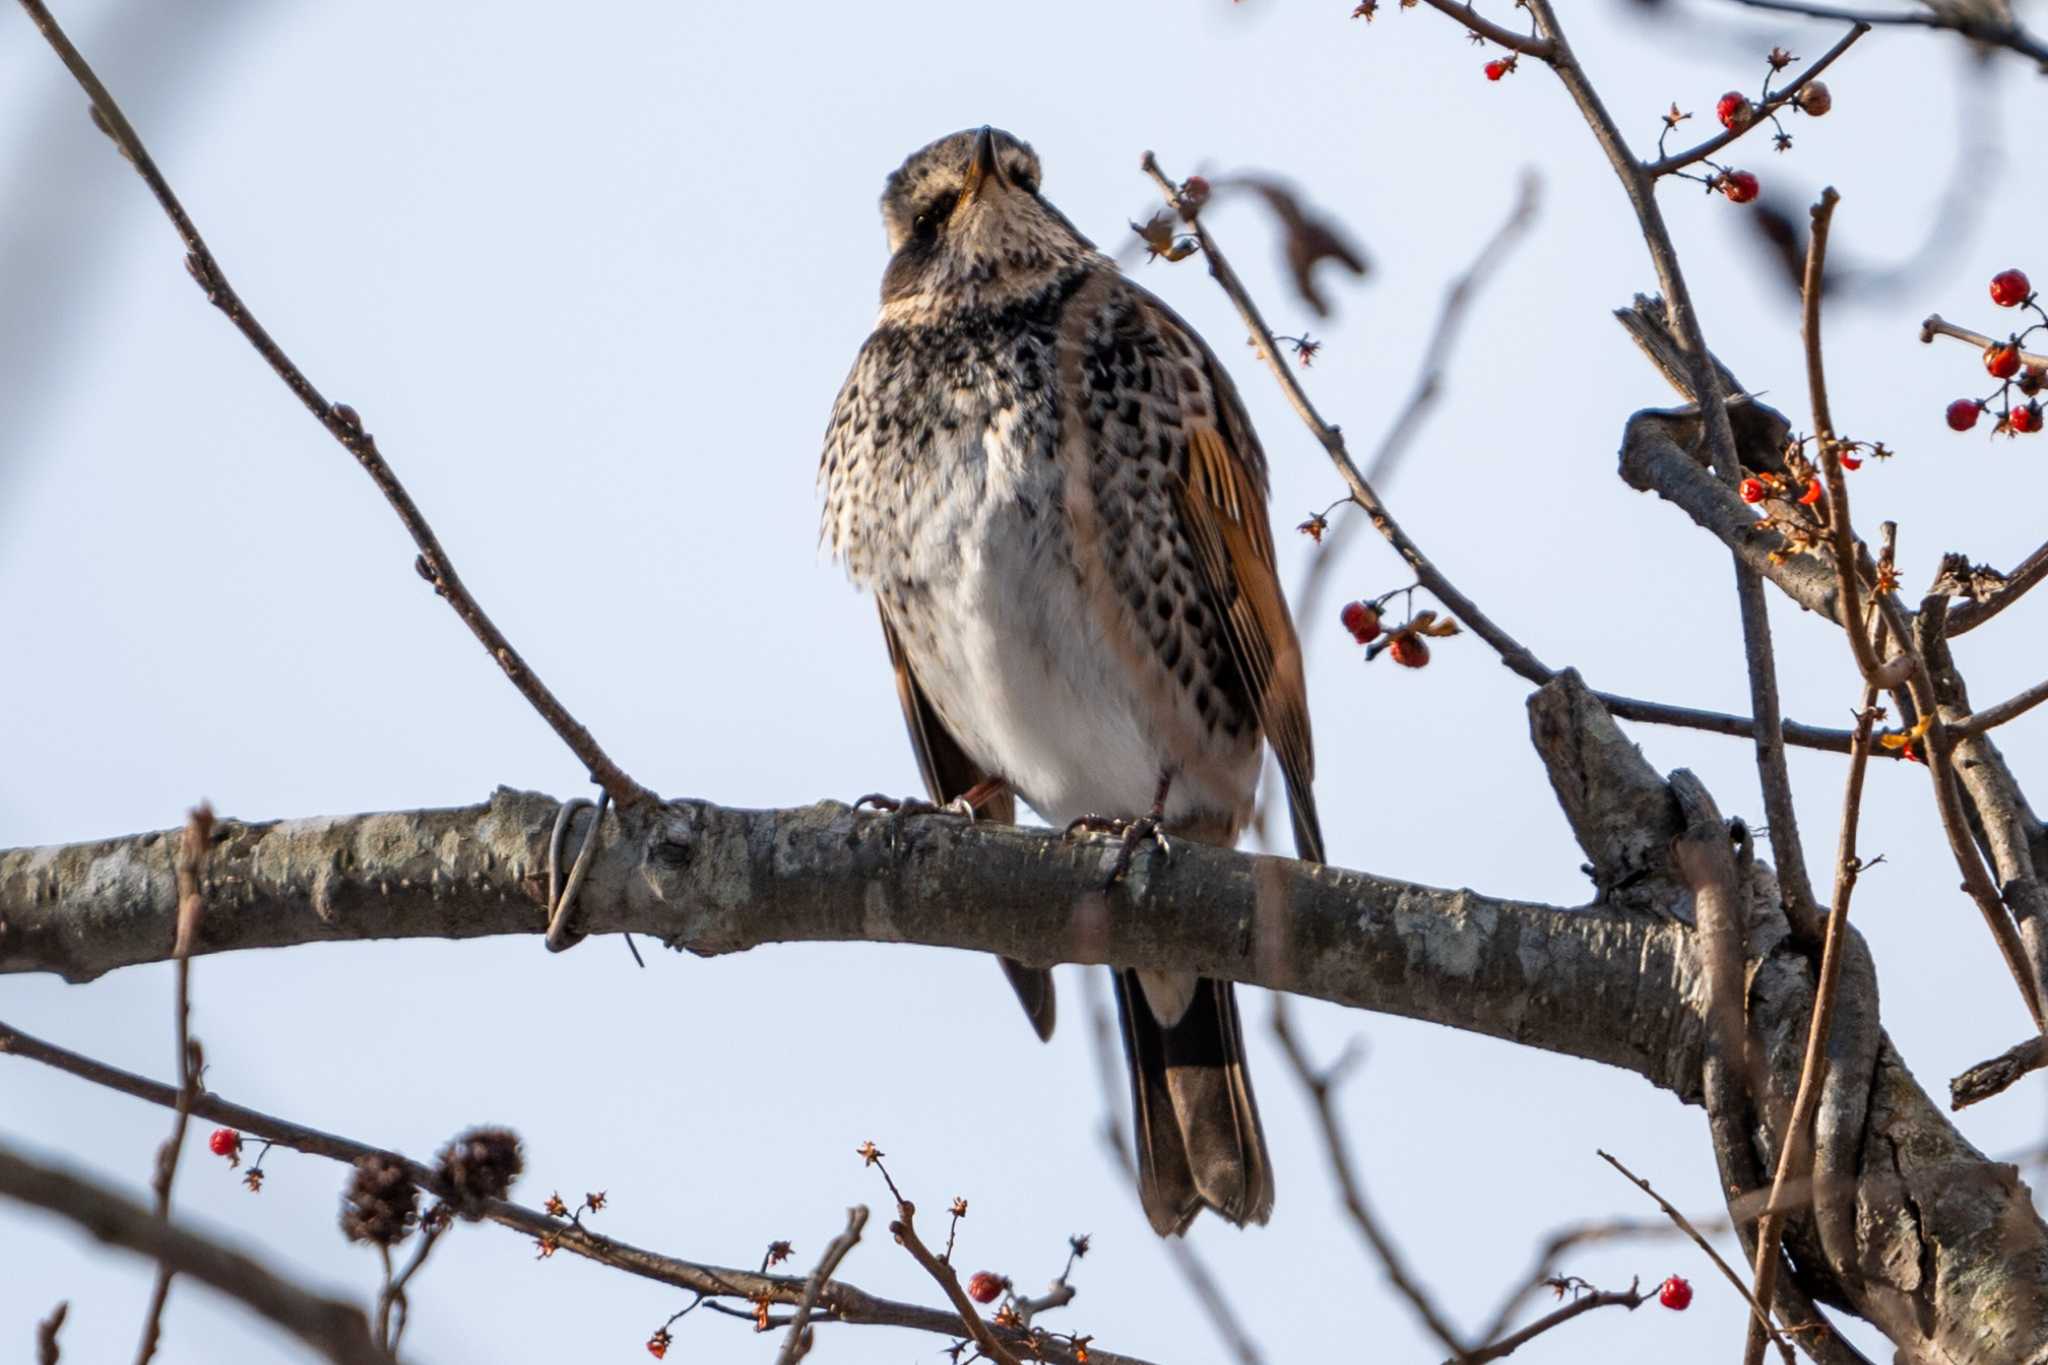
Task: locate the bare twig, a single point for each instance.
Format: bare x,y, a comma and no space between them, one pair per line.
1986,1079
1728,1271
798,1342
1795,1152
1841,533
1541,48
842,1301
1512,653
1630,1298
335,1330
1319,1085
193,847
1973,23
1680,160
342,423
2029,572
393,1308
905,1230
1436,356
1936,325
46,1334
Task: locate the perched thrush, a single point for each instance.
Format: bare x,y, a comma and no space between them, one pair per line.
1054,493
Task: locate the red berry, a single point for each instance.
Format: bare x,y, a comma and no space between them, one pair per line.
984,1286
1962,414
1734,110
2025,419
1753,490
1362,619
1675,1294
1410,651
2002,359
224,1142
1812,494
1851,462
1194,191
2010,287
1497,68
1815,99
1739,186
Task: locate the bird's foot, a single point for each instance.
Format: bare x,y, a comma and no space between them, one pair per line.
1131,836
916,805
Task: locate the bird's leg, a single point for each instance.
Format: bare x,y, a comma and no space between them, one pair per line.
1133,833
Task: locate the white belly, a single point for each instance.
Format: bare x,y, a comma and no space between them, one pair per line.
1014,658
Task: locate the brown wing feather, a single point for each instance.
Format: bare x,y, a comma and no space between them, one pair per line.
1223,506
949,773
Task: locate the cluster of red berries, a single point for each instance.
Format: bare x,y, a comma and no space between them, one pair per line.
1408,642
2008,363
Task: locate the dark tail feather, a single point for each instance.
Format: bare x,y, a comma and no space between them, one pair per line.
1197,1127
1034,992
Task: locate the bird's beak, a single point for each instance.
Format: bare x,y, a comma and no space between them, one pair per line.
984,170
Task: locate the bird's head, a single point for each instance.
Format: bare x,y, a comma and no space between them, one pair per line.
968,228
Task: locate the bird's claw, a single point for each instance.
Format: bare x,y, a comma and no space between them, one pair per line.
916,805
1131,835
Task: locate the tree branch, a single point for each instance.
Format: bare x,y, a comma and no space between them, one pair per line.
842,1301
337,1331
1971,23
1678,161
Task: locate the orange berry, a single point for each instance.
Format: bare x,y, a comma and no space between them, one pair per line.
1410,651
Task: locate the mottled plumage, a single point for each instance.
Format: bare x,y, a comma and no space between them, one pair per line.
1053,491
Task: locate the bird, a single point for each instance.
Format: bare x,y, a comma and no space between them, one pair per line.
1053,491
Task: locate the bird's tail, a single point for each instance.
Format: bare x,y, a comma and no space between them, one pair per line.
1198,1135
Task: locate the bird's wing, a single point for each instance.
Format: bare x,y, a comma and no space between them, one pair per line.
1221,498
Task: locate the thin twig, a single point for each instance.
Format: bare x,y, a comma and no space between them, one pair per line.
905,1230
391,1300
1543,49
1680,160
1795,1149
1955,18
844,1302
1630,1298
798,1342
1841,533
46,1334
191,870
1728,1271
1993,716
1436,359
342,423
1935,325
1319,1085
2026,574
335,1330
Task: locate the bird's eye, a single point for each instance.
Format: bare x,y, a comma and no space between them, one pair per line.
926,224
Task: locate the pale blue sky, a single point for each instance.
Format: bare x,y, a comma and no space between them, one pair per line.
593,282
